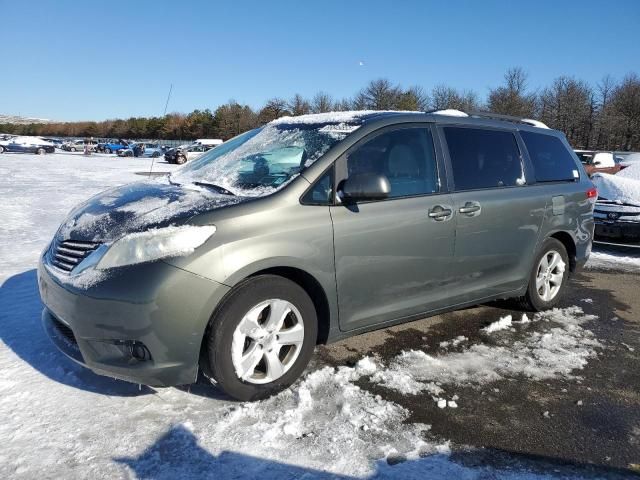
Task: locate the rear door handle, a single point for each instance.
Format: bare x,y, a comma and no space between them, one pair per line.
440,213
471,209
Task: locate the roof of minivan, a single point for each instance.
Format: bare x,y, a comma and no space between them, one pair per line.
362,117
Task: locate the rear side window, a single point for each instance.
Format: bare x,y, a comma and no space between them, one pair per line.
552,162
483,158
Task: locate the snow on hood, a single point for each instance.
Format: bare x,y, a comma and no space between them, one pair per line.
624,187
138,207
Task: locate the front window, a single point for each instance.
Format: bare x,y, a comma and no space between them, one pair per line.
264,160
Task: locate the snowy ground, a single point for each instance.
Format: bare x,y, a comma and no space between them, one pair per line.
62,421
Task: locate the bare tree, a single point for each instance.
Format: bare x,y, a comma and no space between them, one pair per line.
443,97
413,98
274,108
625,100
321,103
512,97
380,94
298,105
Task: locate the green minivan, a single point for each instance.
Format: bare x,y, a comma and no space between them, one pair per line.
308,230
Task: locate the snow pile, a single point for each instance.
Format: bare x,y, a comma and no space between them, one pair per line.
502,324
562,347
624,187
611,259
453,343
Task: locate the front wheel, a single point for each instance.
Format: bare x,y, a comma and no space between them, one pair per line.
107,150
180,159
1,149
40,151
548,278
261,338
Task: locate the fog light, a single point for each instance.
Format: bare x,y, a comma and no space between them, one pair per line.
139,351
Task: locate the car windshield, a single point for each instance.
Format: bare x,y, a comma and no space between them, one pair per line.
264,160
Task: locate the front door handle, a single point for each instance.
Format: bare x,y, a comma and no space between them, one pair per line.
471,209
440,213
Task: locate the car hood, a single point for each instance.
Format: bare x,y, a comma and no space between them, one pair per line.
138,207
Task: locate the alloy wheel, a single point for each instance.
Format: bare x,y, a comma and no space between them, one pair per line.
267,341
550,275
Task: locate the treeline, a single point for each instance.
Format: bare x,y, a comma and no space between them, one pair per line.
603,116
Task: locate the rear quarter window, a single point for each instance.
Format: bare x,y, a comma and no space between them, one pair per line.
552,161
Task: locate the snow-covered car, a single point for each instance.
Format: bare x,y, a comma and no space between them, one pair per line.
27,145
617,211
593,161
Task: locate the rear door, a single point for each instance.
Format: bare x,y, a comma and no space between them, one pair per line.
393,256
499,216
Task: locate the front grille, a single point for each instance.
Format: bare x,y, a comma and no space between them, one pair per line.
66,254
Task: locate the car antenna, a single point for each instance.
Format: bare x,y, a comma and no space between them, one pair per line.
166,104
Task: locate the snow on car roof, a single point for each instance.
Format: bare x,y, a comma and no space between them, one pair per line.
354,116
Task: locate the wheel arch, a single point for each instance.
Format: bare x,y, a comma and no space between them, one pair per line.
298,276
570,246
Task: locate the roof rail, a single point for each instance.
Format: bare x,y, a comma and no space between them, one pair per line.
508,118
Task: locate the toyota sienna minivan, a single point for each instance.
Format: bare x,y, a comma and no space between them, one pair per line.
308,230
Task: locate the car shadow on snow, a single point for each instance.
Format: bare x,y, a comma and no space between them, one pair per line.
178,454
21,330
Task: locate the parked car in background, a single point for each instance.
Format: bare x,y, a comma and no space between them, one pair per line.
595,161
55,141
114,146
182,155
617,211
152,150
78,145
27,145
309,230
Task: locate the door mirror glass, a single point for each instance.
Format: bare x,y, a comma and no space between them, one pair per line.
365,186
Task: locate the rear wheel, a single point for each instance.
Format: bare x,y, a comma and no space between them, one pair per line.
262,337
1,149
107,150
40,151
548,278
73,149
180,159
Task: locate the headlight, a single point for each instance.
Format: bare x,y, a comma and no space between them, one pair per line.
154,244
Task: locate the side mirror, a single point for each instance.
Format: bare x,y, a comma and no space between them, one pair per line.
597,162
365,186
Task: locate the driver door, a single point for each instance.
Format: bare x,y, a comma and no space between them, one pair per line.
393,256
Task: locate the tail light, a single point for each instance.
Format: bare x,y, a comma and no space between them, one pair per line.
592,192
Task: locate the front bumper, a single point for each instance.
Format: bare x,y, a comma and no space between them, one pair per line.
157,306
617,233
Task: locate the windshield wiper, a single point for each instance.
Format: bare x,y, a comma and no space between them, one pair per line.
217,188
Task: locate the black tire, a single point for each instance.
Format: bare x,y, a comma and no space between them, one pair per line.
73,149
180,159
532,300
107,151
1,149
40,151
223,324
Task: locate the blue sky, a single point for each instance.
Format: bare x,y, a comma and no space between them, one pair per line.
92,60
